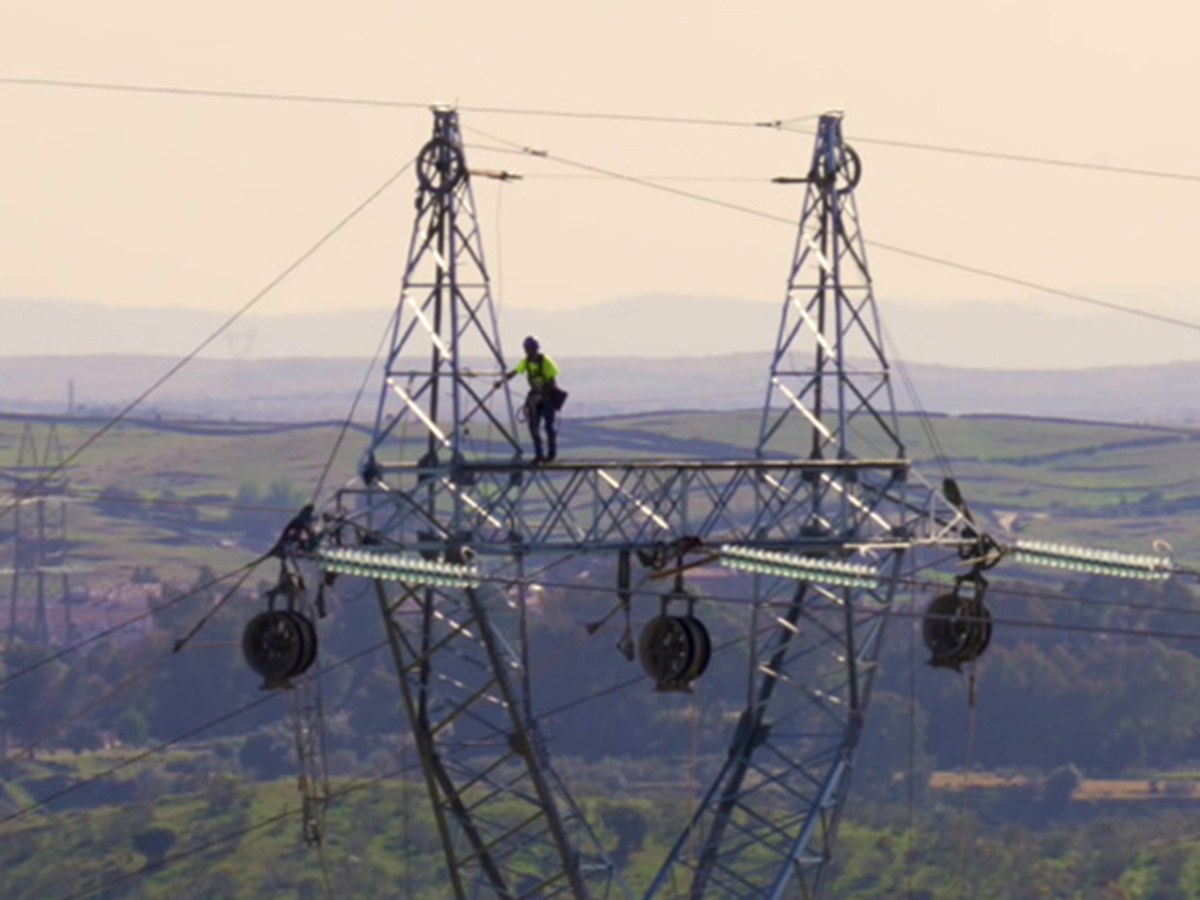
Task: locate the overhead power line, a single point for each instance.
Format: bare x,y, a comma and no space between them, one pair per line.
785,124
911,613
891,248
209,93
221,329
165,745
328,100
126,623
1020,157
936,586
139,757
1037,286
1056,596
629,117
172,859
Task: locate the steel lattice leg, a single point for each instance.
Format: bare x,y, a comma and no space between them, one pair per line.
507,826
769,817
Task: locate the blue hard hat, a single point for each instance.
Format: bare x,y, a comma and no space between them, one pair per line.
531,344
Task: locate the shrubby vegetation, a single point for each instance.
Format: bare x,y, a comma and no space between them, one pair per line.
1052,704
240,840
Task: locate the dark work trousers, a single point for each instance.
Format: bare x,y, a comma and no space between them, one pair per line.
542,413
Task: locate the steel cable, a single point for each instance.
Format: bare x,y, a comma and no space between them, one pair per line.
177,739
1018,157
787,124
891,248
175,858
221,329
126,623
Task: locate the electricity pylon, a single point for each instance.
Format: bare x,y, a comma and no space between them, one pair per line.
40,545
444,478
453,524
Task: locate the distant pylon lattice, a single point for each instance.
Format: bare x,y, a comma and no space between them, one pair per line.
39,563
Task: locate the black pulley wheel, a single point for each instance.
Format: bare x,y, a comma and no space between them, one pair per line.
956,630
308,633
440,166
666,649
702,647
945,631
981,629
848,170
274,644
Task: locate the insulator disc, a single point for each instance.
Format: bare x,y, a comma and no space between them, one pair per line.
274,644
667,651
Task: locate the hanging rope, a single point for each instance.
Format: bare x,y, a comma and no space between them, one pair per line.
926,422
963,864
337,444
912,755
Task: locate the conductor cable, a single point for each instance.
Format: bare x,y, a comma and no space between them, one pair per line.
221,329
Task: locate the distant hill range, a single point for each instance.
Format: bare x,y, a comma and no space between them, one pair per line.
626,356
307,389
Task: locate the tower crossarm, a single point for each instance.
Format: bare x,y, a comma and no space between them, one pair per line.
927,517
830,506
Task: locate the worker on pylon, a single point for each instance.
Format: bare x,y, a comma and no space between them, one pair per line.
544,399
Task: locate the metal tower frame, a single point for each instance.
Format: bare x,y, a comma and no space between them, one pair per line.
829,486
505,820
768,821
40,544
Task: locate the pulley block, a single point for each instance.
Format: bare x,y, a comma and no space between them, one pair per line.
674,651
440,166
847,171
279,645
956,629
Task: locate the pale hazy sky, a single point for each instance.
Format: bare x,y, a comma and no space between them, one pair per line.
143,200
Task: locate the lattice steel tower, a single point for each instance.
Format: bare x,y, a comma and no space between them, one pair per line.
40,545
452,523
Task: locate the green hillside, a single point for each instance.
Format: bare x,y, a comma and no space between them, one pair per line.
172,775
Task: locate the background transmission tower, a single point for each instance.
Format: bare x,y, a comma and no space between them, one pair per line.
40,547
